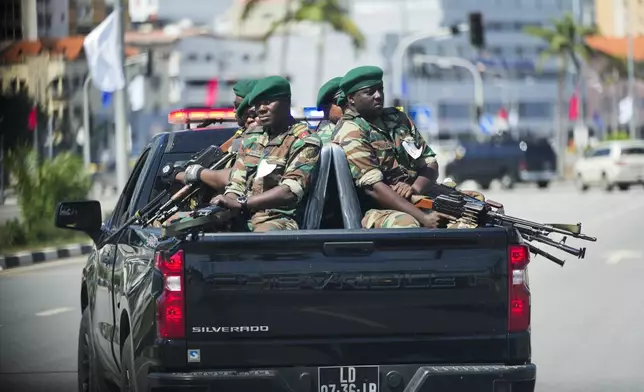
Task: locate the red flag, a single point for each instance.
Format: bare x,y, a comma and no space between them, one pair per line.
573,106
32,120
503,114
211,92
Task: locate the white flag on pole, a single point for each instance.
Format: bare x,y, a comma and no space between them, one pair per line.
103,57
625,110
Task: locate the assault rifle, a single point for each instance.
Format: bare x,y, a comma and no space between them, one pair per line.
212,157
487,213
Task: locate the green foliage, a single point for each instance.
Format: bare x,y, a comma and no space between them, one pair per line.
316,11
39,188
565,39
619,135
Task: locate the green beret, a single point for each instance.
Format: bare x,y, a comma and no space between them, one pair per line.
271,87
341,99
361,77
244,87
243,105
328,91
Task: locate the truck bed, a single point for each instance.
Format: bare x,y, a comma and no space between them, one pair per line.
334,297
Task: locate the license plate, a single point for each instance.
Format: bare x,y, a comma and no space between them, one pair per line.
349,379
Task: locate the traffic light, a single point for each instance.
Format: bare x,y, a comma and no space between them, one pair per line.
477,35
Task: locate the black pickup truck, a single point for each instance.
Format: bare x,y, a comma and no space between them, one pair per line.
328,308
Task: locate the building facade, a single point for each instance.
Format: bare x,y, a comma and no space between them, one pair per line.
616,17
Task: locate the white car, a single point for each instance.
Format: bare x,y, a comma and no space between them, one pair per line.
612,164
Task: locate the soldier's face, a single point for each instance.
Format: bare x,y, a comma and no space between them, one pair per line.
335,113
250,117
368,101
272,112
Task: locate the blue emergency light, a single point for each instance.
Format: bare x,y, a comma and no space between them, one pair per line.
313,112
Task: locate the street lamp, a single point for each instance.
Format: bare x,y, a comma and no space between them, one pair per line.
406,42
449,62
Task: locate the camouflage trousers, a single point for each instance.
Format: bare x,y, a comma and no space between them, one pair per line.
262,222
388,219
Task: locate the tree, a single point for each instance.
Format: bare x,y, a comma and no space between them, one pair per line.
566,44
14,115
322,12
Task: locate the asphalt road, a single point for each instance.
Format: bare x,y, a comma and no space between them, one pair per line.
587,316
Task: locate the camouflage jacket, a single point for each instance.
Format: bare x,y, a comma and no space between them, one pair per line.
264,163
325,131
389,150
234,147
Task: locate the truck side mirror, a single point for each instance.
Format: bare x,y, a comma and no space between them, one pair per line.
82,216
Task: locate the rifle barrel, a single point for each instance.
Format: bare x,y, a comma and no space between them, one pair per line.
545,254
579,253
538,226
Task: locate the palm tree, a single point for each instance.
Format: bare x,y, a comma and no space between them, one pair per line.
566,44
322,12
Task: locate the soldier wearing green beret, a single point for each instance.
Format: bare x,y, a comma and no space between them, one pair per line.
388,158
271,175
245,115
327,101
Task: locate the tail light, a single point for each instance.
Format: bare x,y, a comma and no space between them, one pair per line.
171,303
620,163
522,166
519,297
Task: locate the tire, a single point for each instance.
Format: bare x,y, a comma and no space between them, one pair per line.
581,185
128,377
507,181
542,184
88,373
624,187
605,184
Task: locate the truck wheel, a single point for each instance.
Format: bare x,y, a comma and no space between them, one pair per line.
542,184
88,374
507,181
581,185
605,184
128,377
623,187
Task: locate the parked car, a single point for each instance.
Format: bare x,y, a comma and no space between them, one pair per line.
612,164
506,159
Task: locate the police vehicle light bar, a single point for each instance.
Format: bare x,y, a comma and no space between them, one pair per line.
187,116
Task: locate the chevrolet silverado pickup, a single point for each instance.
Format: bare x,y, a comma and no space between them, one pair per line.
331,307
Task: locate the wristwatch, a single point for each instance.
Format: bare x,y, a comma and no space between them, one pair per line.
243,201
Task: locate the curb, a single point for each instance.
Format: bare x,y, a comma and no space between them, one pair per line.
48,254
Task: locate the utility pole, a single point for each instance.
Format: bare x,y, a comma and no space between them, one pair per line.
631,74
120,107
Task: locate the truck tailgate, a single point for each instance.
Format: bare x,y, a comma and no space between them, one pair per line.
286,296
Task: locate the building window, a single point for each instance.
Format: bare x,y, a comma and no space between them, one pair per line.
535,110
454,111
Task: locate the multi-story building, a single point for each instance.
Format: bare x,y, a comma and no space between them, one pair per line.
616,17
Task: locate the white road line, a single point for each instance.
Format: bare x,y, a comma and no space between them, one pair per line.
52,312
619,255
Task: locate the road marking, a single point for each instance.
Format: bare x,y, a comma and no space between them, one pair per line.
619,255
44,265
52,312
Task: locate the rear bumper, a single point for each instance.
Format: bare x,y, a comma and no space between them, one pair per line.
533,176
395,378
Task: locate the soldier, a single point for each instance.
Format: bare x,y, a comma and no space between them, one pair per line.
388,158
245,116
327,102
272,172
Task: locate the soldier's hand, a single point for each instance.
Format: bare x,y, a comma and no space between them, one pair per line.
226,202
169,173
435,220
193,174
403,189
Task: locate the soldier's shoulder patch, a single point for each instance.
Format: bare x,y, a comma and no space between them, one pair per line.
301,130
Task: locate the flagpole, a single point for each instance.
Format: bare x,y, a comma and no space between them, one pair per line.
120,106
631,77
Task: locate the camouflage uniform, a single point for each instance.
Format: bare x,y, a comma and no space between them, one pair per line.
389,150
292,156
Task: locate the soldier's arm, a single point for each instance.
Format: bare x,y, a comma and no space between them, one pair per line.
237,176
366,172
304,156
216,179
426,163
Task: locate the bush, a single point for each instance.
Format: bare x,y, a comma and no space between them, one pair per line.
619,135
39,187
